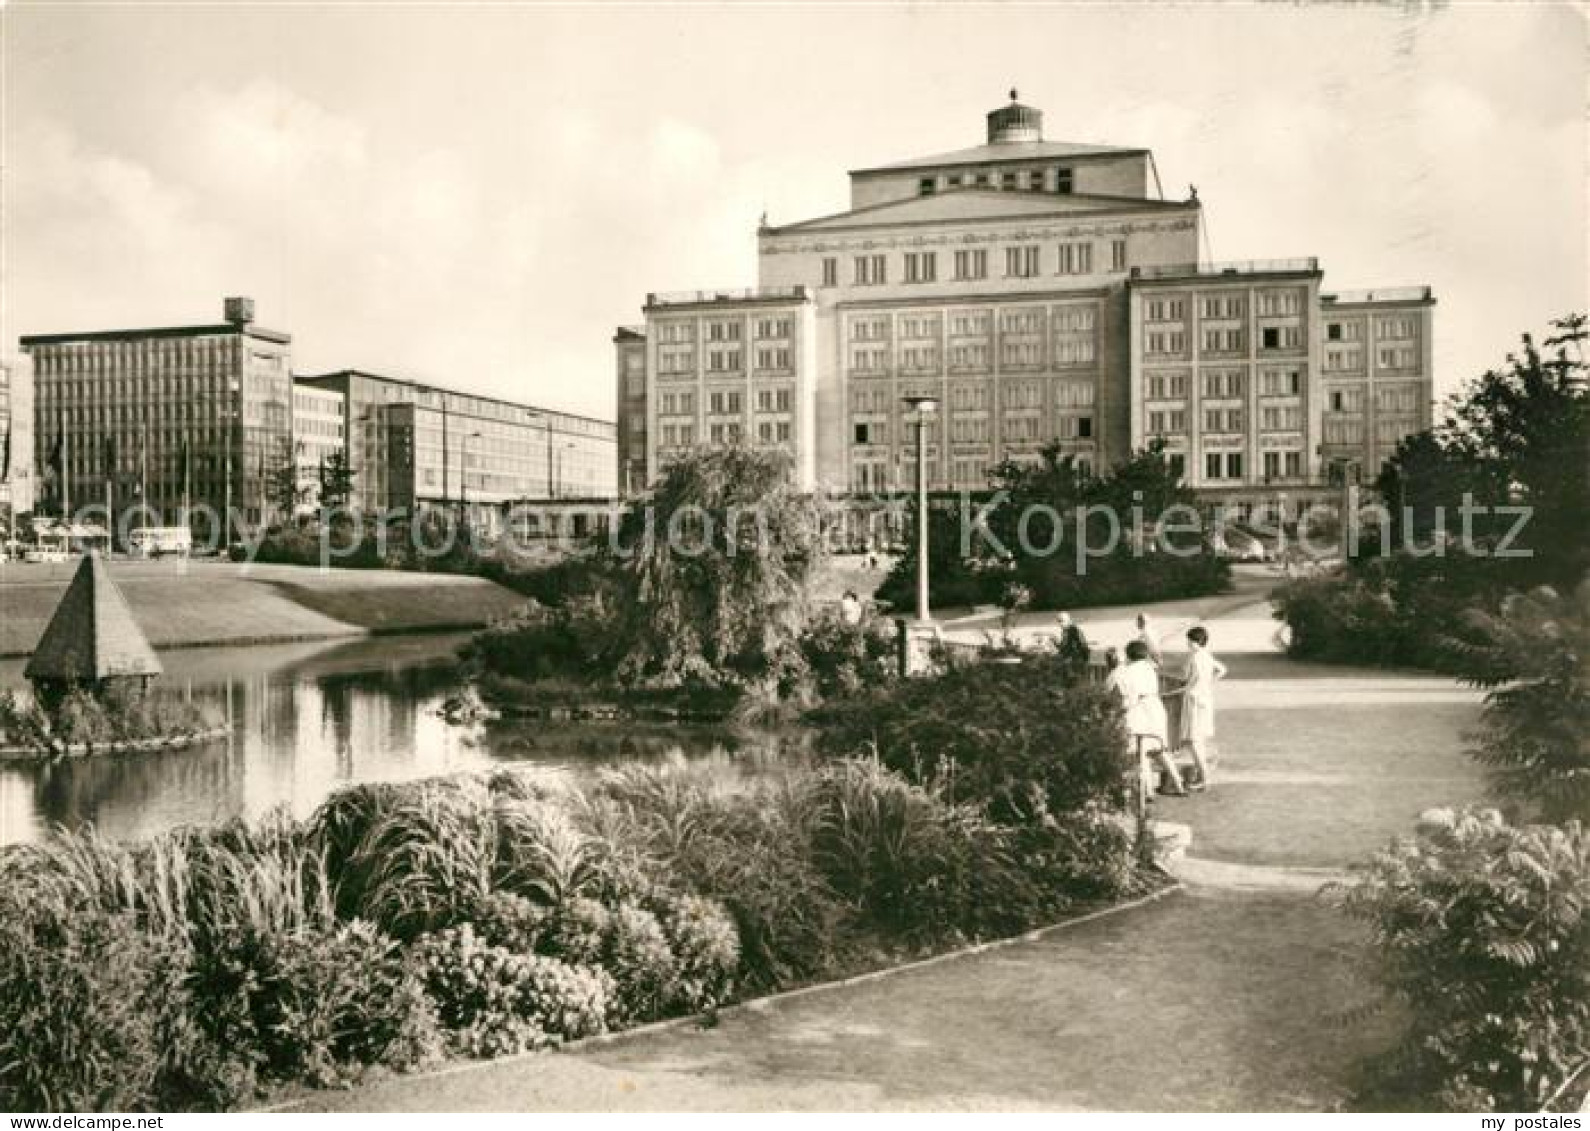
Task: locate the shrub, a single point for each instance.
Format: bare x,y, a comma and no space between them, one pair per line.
510,921
578,932
312,1006
570,640
429,854
706,949
1484,931
843,659
494,1002
79,1014
642,963
1536,726
1012,737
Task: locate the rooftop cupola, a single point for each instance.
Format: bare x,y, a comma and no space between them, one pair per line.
1014,123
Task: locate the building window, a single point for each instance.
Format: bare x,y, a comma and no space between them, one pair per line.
927,186
1166,310
971,264
1117,255
1212,465
1063,181
1022,262
1233,465
1085,427
921,266
1007,181
871,270
830,271
1076,259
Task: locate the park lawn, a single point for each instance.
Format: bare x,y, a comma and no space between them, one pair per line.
179,604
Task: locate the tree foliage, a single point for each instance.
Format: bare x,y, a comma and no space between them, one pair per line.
336,481
1044,510
283,490
1534,657
1516,436
712,571
1484,933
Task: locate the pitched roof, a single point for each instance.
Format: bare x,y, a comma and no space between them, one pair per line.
1000,152
93,634
981,204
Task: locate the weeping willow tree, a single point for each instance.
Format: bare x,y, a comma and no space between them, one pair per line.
713,568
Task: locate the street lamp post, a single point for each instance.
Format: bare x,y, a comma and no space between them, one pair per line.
924,407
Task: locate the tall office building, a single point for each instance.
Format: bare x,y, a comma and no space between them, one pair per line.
1043,292
163,417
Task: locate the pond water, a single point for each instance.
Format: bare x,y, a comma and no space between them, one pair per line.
309,718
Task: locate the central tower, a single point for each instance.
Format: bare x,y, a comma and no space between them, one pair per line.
1014,123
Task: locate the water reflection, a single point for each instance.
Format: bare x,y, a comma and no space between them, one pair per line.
307,719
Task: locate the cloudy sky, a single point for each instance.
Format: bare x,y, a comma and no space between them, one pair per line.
478,195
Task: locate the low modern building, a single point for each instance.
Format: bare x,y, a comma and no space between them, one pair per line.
172,417
1042,292
413,446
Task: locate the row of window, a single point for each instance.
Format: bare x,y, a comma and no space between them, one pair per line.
1349,430
1223,339
682,362
1024,261
680,435
721,402
975,323
1389,327
1060,180
873,360
683,331
1226,306
1026,426
1350,358
979,397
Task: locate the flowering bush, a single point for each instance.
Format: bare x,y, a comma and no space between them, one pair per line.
706,948
641,962
1484,931
493,1001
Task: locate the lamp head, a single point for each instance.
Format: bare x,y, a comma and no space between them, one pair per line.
924,405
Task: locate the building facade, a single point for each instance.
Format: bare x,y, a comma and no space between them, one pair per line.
196,417
171,418
413,446
630,354
1041,294
320,430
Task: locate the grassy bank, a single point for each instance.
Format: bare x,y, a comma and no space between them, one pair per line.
180,604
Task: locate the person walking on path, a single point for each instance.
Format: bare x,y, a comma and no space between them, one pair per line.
850,610
1197,730
1137,683
1074,649
1146,634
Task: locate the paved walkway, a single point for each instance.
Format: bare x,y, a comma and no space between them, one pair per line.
1225,996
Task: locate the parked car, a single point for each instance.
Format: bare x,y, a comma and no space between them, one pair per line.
1239,547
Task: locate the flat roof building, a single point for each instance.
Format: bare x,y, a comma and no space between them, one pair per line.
414,446
167,419
1043,292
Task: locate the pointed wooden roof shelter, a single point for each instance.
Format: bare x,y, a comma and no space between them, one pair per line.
93,635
